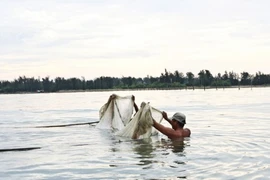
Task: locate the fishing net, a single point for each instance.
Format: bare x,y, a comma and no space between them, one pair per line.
117,113
140,126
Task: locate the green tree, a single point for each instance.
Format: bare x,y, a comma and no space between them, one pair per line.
208,77
179,77
225,76
201,75
190,78
245,78
233,77
48,84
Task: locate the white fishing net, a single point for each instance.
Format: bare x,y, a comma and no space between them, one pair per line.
117,113
140,126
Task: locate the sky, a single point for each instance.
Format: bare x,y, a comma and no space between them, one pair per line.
116,38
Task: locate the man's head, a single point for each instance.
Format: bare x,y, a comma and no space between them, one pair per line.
180,118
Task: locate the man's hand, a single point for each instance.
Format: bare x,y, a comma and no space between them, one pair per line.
113,96
133,97
165,116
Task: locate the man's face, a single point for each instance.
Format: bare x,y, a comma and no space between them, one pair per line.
174,122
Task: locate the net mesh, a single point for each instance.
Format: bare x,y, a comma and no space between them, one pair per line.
117,113
141,124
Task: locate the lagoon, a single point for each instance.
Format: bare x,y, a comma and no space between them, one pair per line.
229,140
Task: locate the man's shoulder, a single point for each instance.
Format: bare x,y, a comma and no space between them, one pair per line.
187,132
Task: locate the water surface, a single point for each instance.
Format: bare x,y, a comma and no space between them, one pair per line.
229,140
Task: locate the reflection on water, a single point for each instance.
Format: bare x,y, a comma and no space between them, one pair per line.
144,148
148,151
177,146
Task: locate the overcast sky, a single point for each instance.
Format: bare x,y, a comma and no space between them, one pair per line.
93,38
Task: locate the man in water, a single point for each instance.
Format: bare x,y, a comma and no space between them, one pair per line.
177,122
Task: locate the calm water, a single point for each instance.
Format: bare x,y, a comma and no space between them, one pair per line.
229,140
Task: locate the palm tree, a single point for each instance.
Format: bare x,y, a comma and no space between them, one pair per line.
201,75
190,77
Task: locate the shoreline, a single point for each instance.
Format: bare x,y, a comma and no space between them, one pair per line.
147,89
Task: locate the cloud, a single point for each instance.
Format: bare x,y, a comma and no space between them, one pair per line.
95,38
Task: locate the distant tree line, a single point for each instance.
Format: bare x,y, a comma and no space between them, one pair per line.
166,80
